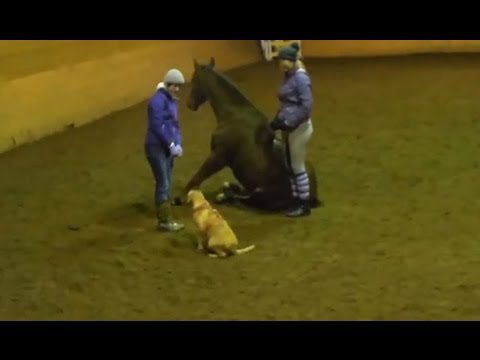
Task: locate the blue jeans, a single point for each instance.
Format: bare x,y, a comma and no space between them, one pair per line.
161,163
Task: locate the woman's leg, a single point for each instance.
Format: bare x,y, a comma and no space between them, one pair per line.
293,185
161,165
297,151
158,160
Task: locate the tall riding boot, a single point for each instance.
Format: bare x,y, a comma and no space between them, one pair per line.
302,187
301,209
295,200
165,218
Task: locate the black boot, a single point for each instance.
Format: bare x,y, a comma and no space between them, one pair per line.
302,208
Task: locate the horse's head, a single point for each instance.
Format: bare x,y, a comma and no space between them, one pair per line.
198,94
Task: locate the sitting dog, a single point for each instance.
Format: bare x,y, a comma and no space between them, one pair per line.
217,237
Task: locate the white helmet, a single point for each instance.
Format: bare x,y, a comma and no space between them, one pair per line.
174,76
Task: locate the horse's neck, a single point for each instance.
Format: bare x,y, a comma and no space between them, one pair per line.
226,100
222,112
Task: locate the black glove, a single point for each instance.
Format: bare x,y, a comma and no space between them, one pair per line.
277,124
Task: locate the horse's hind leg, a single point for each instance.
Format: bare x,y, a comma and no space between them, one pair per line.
271,200
231,192
234,188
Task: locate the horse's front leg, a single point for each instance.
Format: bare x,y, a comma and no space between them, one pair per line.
213,164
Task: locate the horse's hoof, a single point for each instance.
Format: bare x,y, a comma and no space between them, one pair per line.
232,187
221,198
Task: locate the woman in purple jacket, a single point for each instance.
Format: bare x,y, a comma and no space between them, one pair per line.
163,144
296,100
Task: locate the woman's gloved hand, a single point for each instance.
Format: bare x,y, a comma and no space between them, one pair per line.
176,150
277,124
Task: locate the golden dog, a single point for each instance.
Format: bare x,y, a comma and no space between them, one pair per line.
217,237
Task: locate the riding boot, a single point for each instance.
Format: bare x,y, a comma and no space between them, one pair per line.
295,200
165,218
302,208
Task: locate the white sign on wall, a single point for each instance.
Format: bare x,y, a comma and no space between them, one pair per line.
270,48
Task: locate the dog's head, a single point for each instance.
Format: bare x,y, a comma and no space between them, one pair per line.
196,197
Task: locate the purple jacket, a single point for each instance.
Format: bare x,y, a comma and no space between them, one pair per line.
296,98
163,125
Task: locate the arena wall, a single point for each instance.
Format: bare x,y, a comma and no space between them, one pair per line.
47,86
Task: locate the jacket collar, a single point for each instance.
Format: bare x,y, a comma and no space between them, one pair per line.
165,91
291,72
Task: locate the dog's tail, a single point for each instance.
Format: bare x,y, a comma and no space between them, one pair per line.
245,249
234,252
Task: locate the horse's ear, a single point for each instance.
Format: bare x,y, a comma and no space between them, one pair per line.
212,62
195,64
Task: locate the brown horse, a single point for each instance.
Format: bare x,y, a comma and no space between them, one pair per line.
244,142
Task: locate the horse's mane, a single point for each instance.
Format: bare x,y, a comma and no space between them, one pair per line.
230,88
